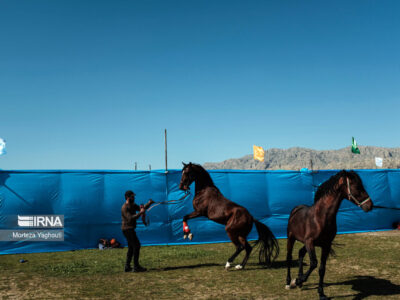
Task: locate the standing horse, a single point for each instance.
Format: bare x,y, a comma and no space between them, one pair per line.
210,203
316,225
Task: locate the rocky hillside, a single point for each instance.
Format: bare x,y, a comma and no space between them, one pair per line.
297,158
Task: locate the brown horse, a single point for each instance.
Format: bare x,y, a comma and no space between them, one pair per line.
316,225
209,202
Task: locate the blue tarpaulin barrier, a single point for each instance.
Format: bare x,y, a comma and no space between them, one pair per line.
90,202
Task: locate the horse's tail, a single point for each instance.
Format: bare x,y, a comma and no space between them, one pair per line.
269,247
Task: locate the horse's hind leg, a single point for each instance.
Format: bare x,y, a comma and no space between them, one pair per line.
237,228
248,249
239,248
290,243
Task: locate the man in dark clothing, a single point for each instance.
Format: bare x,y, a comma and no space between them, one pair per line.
129,217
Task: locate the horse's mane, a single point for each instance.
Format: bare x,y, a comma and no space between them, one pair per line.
203,173
329,186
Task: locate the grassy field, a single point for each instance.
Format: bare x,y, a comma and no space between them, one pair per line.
367,266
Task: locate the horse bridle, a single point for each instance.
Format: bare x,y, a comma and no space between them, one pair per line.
351,197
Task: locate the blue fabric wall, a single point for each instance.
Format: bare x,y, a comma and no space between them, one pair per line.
91,203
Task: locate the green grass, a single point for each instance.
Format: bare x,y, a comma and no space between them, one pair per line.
366,267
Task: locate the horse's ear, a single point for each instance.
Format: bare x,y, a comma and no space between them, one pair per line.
184,164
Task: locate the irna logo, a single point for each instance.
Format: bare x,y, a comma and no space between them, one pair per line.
43,221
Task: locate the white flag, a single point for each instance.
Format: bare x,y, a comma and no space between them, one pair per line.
2,146
379,162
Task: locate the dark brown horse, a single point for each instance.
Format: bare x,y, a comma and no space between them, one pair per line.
209,202
316,225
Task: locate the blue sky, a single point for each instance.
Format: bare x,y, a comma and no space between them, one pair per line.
93,84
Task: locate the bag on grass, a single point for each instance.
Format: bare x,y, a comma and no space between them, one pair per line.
103,244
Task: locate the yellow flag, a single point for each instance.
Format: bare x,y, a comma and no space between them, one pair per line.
258,153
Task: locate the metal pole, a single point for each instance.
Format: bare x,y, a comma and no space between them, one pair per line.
166,184
135,165
166,161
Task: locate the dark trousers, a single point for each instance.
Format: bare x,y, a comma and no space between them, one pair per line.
133,247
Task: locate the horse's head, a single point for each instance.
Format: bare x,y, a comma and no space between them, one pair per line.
187,176
355,191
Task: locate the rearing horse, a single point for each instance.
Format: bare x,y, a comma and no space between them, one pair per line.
316,225
209,202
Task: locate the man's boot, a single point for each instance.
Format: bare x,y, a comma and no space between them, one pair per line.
128,268
139,268
128,263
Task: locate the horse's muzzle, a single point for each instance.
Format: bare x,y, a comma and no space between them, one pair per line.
367,206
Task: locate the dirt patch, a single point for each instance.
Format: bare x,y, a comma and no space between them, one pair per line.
381,233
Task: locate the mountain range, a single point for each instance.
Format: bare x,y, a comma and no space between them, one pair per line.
297,158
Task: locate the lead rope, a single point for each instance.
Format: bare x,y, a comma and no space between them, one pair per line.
363,202
386,207
145,218
187,193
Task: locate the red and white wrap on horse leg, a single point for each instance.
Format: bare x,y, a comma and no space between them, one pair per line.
186,231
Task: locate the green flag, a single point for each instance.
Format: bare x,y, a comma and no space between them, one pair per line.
354,147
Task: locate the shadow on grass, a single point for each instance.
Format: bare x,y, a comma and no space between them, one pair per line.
275,265
189,267
282,264
369,286
365,286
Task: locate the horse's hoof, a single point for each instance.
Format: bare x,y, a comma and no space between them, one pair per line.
185,236
239,267
287,287
190,236
293,284
227,266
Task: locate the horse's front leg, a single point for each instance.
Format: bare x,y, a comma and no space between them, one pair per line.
302,253
298,282
324,257
186,230
313,264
